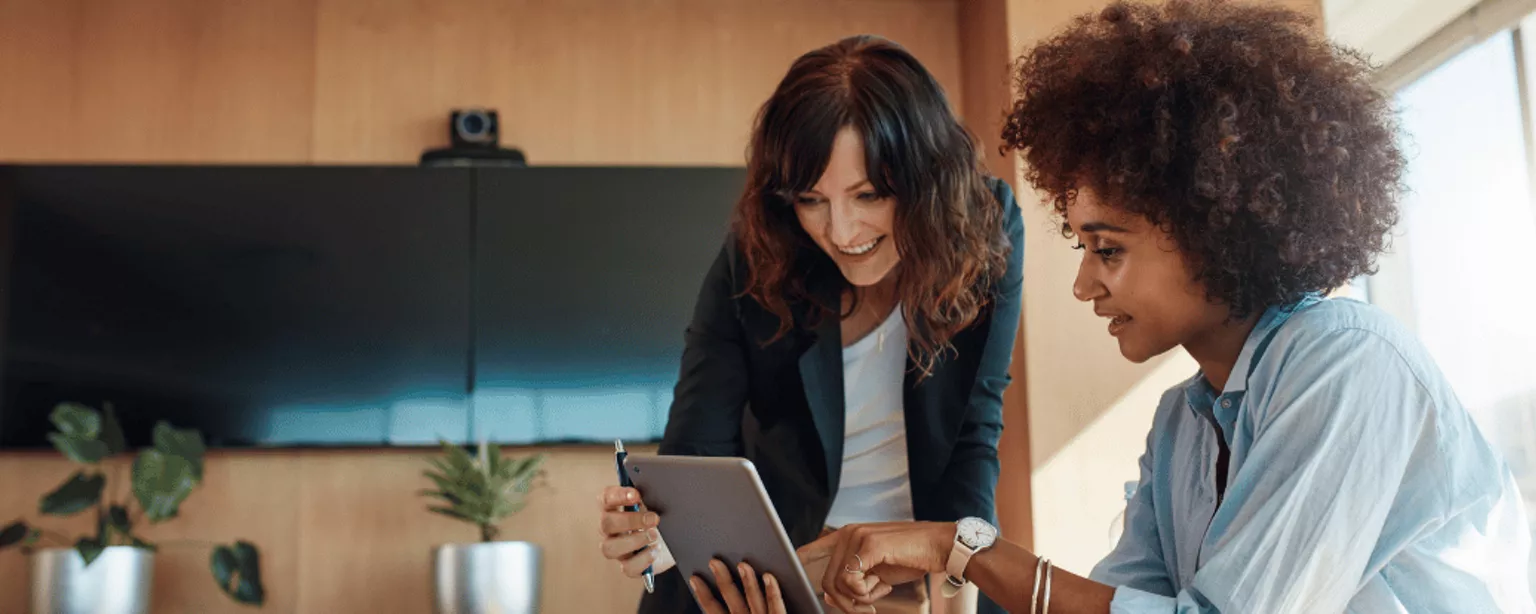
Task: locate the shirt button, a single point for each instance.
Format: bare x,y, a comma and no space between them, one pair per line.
1226,403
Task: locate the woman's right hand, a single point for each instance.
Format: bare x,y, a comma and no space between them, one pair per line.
631,538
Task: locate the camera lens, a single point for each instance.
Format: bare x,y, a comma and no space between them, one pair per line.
474,126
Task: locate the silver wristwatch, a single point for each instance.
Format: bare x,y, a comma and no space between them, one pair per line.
972,535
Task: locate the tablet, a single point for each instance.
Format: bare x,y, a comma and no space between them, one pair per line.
714,507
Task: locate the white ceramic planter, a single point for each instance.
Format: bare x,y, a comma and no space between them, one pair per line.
487,578
117,582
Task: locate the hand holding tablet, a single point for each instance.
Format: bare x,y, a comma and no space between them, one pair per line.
713,510
754,597
631,537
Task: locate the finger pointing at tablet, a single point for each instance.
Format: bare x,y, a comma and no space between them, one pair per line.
864,562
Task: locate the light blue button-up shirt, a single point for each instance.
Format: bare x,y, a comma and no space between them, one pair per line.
1356,482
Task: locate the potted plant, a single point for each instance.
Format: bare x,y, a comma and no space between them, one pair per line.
483,490
110,571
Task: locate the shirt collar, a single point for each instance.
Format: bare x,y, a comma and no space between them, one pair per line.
1259,338
1199,392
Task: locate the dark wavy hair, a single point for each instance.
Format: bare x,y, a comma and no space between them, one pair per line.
947,222
1262,148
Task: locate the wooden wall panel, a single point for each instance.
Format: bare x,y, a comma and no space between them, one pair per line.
156,80
369,81
985,60
37,51
583,82
191,80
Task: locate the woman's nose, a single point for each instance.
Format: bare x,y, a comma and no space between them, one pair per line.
842,225
1086,286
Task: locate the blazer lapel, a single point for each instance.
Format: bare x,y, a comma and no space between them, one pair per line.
821,369
929,436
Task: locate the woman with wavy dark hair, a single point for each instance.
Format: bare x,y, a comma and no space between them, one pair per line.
854,335
1223,168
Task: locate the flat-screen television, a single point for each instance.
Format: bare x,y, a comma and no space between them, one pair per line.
353,306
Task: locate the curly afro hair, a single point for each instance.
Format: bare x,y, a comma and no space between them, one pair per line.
1261,148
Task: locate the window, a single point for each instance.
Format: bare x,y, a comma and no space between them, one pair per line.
1461,274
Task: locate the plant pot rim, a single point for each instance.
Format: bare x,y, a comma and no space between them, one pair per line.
499,542
112,547
64,549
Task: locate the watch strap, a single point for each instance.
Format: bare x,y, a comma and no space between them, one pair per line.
954,572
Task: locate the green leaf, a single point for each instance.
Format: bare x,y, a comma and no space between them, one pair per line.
495,464
459,460
237,570
13,533
222,563
89,548
427,492
440,478
443,482
79,493
117,519
112,431
186,443
79,450
76,420
161,482
529,467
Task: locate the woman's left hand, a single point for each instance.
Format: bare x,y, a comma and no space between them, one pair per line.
757,598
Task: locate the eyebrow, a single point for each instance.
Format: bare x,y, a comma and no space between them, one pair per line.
851,188
1102,227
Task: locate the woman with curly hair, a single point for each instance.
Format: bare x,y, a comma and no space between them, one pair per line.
854,335
1222,170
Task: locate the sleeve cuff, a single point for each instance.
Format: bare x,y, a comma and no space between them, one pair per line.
1132,601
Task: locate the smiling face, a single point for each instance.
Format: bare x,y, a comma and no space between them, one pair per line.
847,218
1136,277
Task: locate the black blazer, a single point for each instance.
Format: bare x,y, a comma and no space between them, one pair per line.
782,405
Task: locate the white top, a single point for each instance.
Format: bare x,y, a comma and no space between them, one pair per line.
875,486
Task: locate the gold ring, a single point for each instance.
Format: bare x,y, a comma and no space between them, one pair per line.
861,565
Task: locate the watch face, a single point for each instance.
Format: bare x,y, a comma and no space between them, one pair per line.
976,533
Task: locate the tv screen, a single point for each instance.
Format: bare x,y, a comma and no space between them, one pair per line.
585,282
353,306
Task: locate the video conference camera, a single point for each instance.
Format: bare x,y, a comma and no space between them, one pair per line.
474,137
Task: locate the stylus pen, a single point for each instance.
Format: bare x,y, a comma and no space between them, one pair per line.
618,459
